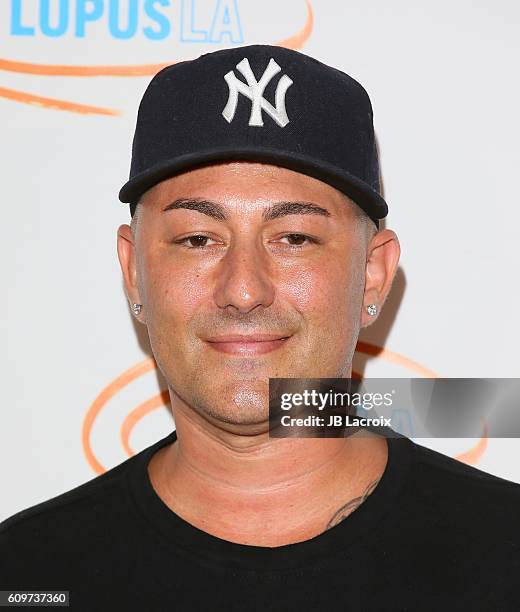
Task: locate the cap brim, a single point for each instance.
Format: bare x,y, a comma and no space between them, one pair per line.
357,190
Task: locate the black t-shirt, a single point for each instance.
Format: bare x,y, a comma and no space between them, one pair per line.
435,534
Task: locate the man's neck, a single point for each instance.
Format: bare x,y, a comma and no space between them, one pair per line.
262,491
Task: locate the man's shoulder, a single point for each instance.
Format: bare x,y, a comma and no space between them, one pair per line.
103,495
451,487
50,540
65,509
458,470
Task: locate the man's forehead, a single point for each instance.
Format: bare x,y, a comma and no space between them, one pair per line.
238,184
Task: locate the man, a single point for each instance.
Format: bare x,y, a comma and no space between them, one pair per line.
254,253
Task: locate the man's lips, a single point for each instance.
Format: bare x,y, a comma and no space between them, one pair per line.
252,344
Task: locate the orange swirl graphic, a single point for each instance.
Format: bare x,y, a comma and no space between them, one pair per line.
473,455
103,398
395,358
63,105
161,399
295,41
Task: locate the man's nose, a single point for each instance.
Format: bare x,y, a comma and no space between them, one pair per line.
245,278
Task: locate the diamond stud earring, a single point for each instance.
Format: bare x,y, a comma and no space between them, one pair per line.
372,309
136,308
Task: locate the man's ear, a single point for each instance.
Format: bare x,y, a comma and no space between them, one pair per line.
382,259
126,255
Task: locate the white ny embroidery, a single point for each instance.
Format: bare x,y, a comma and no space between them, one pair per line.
254,90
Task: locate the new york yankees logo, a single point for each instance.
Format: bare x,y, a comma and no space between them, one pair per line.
254,90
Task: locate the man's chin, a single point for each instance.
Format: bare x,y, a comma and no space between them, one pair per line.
245,423
242,406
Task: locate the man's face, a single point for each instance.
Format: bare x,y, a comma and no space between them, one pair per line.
246,252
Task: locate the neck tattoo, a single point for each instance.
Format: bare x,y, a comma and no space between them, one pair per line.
351,505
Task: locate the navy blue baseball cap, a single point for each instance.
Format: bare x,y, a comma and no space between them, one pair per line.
258,103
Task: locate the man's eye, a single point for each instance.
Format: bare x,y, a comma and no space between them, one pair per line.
198,241
194,242
298,239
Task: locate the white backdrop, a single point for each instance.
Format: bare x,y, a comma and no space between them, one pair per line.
443,79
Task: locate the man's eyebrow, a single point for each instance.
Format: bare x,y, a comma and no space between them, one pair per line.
207,207
280,209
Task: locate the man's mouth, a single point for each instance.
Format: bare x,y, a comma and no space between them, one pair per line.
247,344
